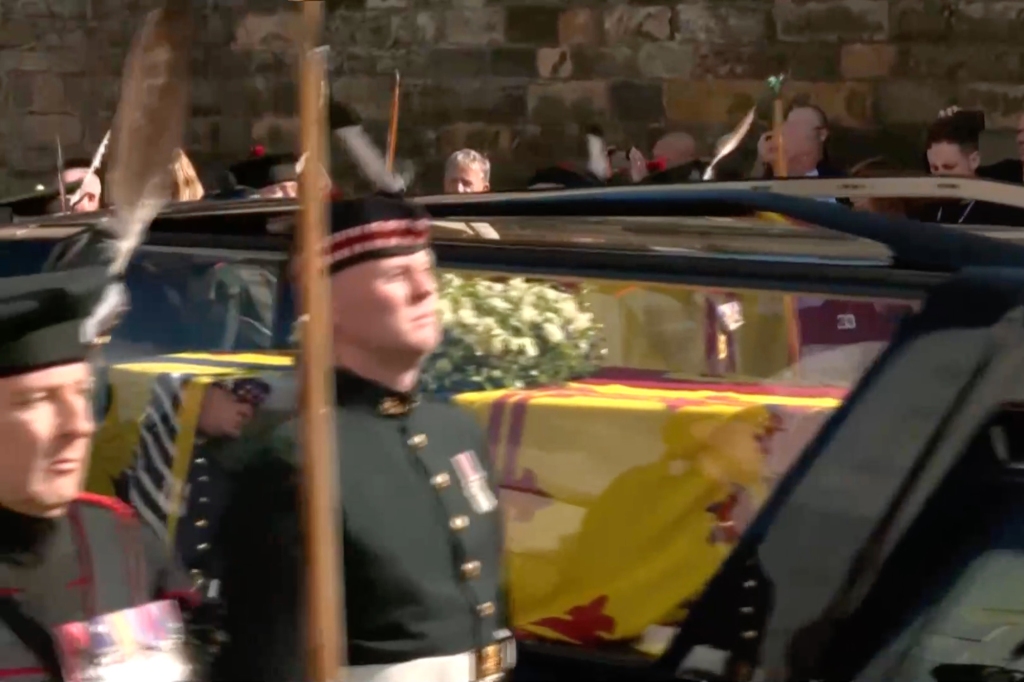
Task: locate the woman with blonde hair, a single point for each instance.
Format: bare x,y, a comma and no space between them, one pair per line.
187,186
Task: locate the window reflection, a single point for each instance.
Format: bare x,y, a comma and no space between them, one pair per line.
194,301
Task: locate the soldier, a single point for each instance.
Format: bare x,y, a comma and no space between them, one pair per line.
422,534
65,557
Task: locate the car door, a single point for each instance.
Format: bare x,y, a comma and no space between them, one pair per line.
893,549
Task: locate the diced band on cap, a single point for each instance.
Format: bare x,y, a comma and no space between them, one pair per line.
43,318
382,239
378,226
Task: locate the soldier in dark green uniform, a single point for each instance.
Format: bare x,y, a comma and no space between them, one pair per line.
422,532
67,559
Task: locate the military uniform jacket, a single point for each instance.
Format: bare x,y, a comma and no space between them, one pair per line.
95,560
422,545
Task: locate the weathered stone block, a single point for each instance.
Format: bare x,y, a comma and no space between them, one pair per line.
490,100
514,62
906,101
920,19
368,95
492,140
532,25
927,61
411,63
460,62
574,101
276,32
277,133
387,4
708,21
710,102
632,101
614,62
44,129
840,20
484,26
987,21
629,23
802,61
414,29
48,94
554,62
1002,104
846,104
579,26
665,60
866,61
50,61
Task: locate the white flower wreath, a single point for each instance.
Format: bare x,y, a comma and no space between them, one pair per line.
511,334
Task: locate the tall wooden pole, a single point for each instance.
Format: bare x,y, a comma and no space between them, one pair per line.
393,127
325,629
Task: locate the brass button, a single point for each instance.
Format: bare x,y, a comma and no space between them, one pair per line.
204,500
485,609
204,479
200,461
747,610
749,634
418,441
750,584
442,480
203,546
470,570
458,522
202,523
197,578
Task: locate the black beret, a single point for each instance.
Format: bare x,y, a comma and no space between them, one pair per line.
376,226
47,319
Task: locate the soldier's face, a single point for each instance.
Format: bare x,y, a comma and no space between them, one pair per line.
388,306
222,414
46,423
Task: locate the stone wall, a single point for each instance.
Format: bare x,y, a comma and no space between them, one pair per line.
520,79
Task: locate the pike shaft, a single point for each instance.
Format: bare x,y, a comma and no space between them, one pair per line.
393,128
321,483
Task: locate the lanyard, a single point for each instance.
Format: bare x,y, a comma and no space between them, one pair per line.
963,215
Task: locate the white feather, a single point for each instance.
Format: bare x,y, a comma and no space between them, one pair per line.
370,160
597,157
97,159
730,142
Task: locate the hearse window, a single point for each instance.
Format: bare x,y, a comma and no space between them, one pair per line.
949,604
697,401
196,300
23,257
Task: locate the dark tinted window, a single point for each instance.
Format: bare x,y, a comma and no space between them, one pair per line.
23,257
950,601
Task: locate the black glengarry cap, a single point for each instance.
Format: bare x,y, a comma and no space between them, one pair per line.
48,319
373,227
265,171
